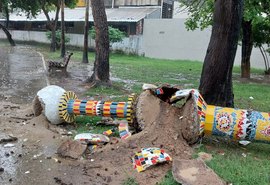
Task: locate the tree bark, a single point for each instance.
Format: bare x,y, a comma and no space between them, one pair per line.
52,25
101,65
9,36
86,29
63,46
247,45
216,78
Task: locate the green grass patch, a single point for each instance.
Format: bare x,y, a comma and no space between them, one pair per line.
241,165
168,179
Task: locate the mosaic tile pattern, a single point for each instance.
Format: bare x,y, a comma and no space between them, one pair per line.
234,123
123,130
70,106
148,157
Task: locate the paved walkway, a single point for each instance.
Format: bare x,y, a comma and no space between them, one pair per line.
22,73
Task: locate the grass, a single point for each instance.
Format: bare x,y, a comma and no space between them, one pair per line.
237,164
128,73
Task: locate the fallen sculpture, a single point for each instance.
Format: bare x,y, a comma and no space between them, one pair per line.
64,106
148,157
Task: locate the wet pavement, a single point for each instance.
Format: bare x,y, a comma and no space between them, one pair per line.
21,73
30,159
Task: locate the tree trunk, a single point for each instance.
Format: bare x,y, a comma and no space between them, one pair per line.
53,40
6,11
63,46
216,78
247,45
52,24
86,29
9,36
101,65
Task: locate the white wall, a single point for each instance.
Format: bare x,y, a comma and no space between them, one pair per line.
169,39
162,38
128,45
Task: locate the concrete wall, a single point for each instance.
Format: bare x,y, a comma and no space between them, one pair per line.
131,44
162,38
169,39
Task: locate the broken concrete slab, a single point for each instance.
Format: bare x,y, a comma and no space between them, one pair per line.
72,149
194,172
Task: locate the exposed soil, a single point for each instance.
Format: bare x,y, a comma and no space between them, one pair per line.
33,159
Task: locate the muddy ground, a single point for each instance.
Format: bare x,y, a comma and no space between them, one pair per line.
28,148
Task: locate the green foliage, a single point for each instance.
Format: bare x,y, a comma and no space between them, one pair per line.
58,37
33,8
115,35
200,13
256,11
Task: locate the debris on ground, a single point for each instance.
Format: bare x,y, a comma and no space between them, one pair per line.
147,157
92,138
5,138
72,149
194,172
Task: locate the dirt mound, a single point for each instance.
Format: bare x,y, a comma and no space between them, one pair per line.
162,123
162,129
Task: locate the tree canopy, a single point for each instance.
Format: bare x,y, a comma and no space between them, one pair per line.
255,25
33,8
256,11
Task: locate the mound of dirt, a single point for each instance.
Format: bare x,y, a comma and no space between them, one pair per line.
162,128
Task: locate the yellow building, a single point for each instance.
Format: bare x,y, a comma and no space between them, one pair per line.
81,3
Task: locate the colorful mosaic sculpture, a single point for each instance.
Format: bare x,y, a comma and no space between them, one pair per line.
148,157
236,124
123,130
70,107
108,132
220,121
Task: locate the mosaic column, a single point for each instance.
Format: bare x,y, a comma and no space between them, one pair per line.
238,124
70,107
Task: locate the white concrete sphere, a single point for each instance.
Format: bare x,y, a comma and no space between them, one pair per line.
49,98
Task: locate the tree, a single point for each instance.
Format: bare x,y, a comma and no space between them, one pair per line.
101,75
5,9
256,14
9,36
216,78
63,46
86,28
255,31
32,8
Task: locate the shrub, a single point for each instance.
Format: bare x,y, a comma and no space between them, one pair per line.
115,35
58,37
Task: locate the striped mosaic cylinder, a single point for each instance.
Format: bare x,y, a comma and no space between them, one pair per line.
70,107
98,108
